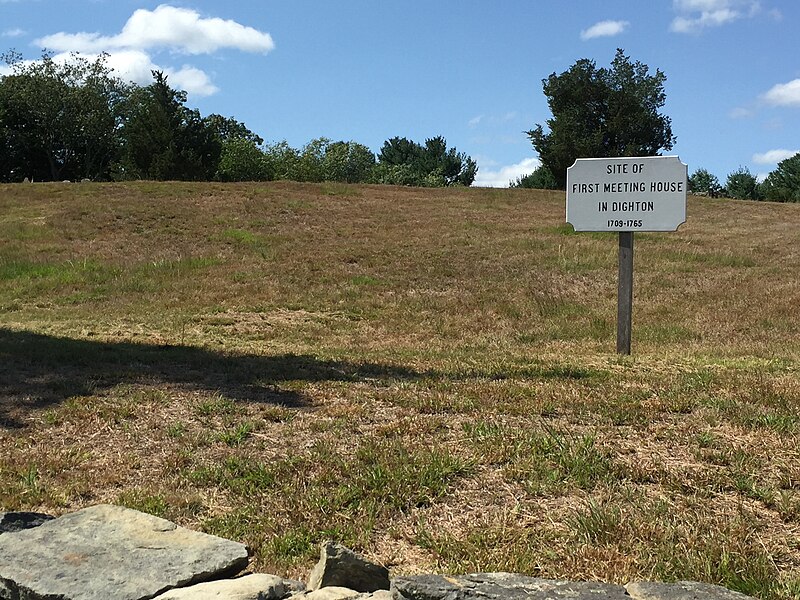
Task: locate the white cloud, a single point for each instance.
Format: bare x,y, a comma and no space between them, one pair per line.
132,65
696,15
137,66
509,116
604,29
475,121
177,29
773,157
784,94
192,80
16,32
502,176
740,113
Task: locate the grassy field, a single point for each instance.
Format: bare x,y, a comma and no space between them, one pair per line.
428,376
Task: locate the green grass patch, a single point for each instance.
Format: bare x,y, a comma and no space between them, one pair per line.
546,460
141,500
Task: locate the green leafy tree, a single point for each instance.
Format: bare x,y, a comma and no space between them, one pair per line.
404,174
348,162
228,128
283,160
704,183
311,158
243,160
783,184
602,112
742,184
541,179
58,120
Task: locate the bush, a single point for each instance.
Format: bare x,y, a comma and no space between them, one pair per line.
704,183
541,179
742,184
433,164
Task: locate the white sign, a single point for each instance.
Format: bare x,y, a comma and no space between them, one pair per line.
645,193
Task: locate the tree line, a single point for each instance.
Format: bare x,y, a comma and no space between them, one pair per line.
74,120
781,185
615,112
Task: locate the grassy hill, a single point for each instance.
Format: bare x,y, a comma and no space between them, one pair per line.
426,375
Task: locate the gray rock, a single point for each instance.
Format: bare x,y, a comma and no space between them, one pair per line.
682,590
107,552
17,521
333,592
256,586
501,586
340,566
340,593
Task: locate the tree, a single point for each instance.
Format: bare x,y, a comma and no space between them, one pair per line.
742,184
164,139
58,120
703,182
398,151
404,162
541,179
600,112
783,184
242,160
445,166
228,128
309,166
282,160
348,162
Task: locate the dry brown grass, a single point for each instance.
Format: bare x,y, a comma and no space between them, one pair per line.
426,375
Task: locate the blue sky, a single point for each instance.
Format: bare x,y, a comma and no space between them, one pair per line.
470,70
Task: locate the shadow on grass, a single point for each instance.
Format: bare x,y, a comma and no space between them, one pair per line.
38,371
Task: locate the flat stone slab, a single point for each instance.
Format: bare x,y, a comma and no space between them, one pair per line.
257,586
106,551
682,590
502,586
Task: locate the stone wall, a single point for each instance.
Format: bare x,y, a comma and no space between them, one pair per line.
112,553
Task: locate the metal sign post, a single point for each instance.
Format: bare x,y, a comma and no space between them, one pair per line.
640,193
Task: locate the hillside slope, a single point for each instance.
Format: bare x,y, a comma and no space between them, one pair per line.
425,374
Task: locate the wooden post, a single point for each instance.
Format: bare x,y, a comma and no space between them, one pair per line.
625,292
